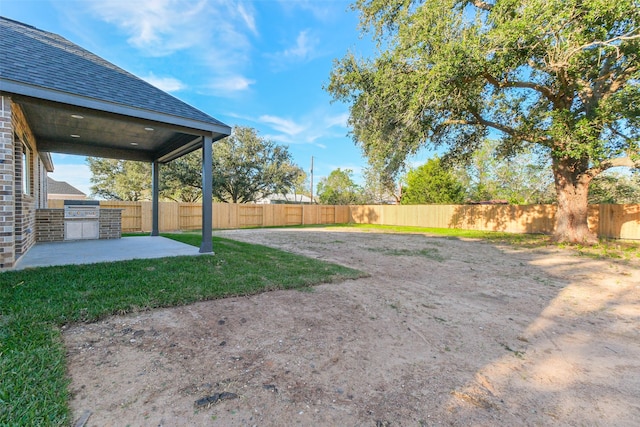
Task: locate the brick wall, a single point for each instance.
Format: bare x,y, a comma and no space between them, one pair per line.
110,223
50,225
25,203
7,201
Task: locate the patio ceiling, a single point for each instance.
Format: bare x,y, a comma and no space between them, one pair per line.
73,129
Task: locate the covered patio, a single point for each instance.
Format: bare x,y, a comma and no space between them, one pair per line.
94,251
75,102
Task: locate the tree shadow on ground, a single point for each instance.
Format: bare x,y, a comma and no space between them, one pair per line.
573,362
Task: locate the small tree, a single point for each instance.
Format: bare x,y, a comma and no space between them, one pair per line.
339,189
431,183
378,187
300,186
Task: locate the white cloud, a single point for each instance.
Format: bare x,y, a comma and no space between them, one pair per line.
303,50
159,27
213,34
315,127
281,138
229,84
247,17
341,120
285,126
167,84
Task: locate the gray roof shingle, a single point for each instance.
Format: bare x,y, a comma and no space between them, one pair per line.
35,57
61,187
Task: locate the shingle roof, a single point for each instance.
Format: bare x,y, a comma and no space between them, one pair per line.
35,57
61,187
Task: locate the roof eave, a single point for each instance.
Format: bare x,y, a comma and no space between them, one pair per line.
46,161
196,127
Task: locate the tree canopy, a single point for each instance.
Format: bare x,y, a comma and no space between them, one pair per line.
615,187
120,179
339,189
524,178
432,183
561,76
247,167
181,179
378,188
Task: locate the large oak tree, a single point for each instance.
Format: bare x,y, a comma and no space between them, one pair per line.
559,75
247,167
120,179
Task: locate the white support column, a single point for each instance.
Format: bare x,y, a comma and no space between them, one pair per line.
207,195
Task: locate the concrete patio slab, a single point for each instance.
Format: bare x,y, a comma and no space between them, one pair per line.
92,251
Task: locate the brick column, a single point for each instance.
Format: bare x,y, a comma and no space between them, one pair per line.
110,223
7,196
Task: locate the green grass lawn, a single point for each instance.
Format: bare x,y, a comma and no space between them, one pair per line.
35,303
605,249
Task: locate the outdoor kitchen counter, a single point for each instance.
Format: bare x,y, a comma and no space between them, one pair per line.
50,224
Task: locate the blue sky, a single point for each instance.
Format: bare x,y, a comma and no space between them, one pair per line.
253,63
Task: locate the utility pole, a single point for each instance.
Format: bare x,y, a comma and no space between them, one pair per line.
311,179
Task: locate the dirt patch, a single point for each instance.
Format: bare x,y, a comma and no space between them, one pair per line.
443,332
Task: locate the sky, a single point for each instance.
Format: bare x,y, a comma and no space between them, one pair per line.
259,63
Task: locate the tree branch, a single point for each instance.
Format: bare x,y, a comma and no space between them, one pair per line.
482,5
479,120
612,163
544,90
619,81
620,134
624,37
601,91
506,129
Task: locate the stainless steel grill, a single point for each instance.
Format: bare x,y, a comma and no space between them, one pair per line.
75,211
81,219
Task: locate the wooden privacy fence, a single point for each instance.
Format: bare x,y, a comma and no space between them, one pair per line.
173,216
615,221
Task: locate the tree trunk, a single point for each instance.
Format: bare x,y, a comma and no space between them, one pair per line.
572,187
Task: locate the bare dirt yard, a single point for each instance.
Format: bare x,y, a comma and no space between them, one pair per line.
442,332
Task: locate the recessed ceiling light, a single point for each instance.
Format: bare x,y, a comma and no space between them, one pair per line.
75,136
77,116
133,143
149,129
